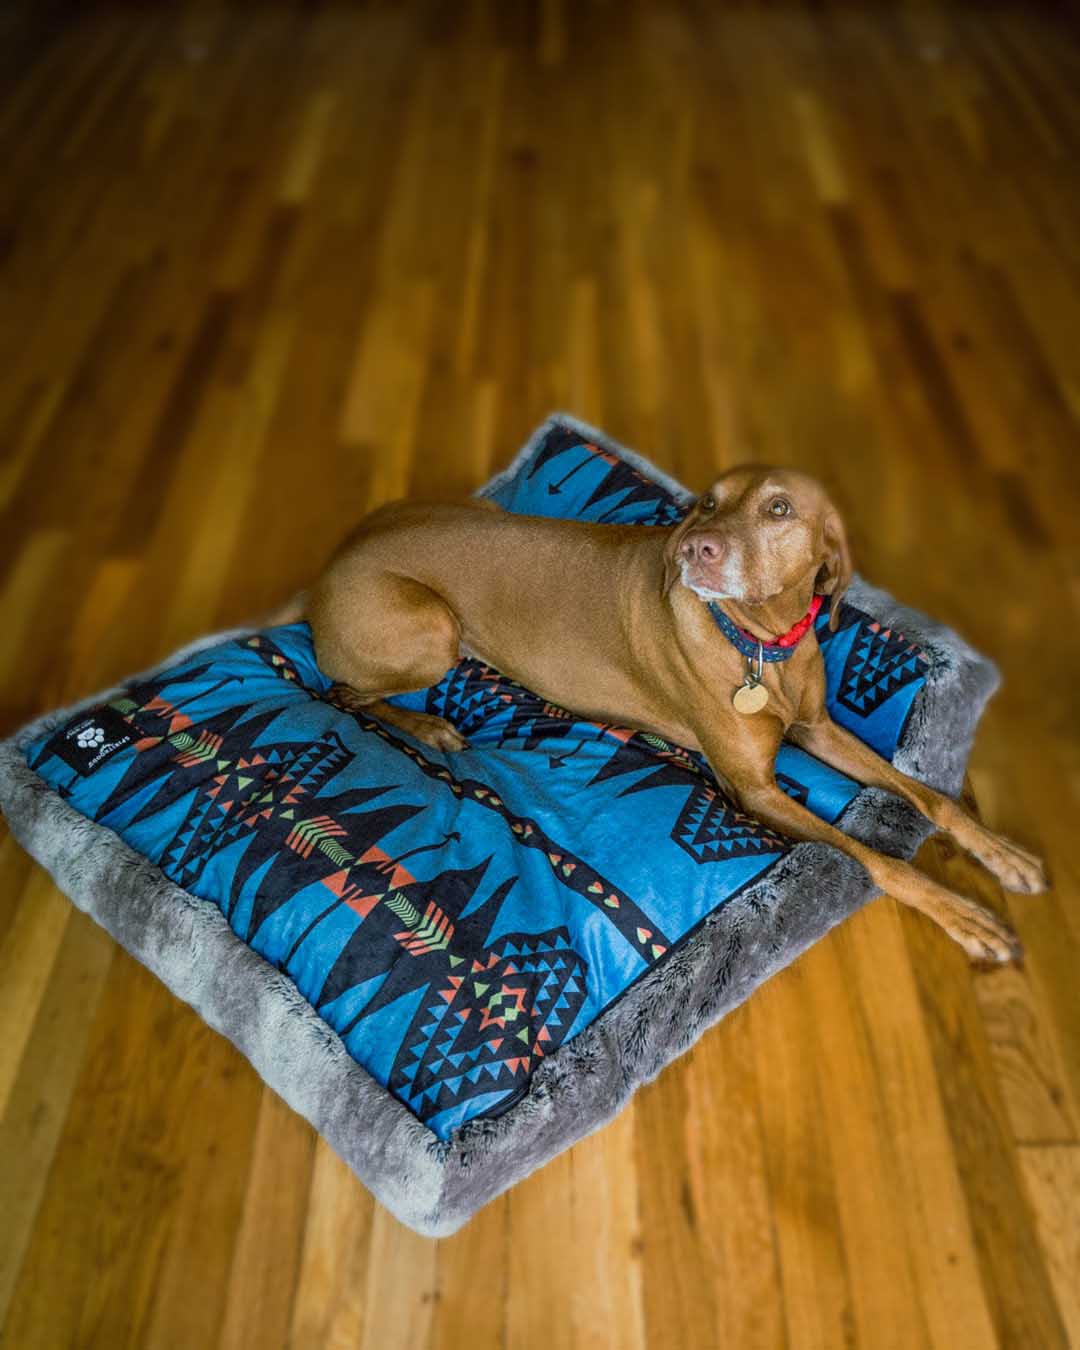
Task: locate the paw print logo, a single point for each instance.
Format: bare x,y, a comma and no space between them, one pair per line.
89,738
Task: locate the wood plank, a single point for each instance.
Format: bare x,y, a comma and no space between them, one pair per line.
931,1200
543,1202
214,1110
470,1310
265,1263
1052,1174
27,957
1013,1266
115,1170
331,1296
41,1094
818,1304
729,1188
606,1296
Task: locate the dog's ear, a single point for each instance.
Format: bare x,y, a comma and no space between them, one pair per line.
834,574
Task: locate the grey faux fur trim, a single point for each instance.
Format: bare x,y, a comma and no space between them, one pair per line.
434,1186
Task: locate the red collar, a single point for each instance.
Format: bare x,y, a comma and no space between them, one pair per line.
796,631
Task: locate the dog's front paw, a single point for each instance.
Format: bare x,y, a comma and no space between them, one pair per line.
988,940
1016,868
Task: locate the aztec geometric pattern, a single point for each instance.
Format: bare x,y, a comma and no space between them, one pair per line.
455,918
874,671
878,663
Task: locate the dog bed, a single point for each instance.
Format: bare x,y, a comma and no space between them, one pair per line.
456,965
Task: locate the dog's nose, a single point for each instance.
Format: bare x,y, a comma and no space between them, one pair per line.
697,548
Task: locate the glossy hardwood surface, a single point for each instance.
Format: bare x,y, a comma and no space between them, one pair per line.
266,265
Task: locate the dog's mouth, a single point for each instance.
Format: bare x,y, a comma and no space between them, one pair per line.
708,586
716,586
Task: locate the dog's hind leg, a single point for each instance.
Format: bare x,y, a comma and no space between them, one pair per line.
434,731
385,635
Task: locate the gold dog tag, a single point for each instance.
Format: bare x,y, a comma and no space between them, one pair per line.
752,695
750,698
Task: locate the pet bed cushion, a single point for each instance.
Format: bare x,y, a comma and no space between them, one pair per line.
455,965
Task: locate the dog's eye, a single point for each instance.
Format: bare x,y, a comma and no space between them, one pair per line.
708,502
779,507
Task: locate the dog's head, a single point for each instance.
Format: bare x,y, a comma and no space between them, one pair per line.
756,533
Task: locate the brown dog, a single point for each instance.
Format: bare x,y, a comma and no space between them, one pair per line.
610,621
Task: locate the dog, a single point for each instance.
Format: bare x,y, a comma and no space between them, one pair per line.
665,629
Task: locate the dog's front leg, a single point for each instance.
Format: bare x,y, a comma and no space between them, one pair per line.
981,933
1014,867
984,936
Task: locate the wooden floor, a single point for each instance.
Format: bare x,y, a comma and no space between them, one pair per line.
266,265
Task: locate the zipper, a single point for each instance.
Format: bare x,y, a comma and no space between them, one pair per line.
499,1108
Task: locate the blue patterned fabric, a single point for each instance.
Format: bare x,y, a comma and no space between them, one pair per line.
454,917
